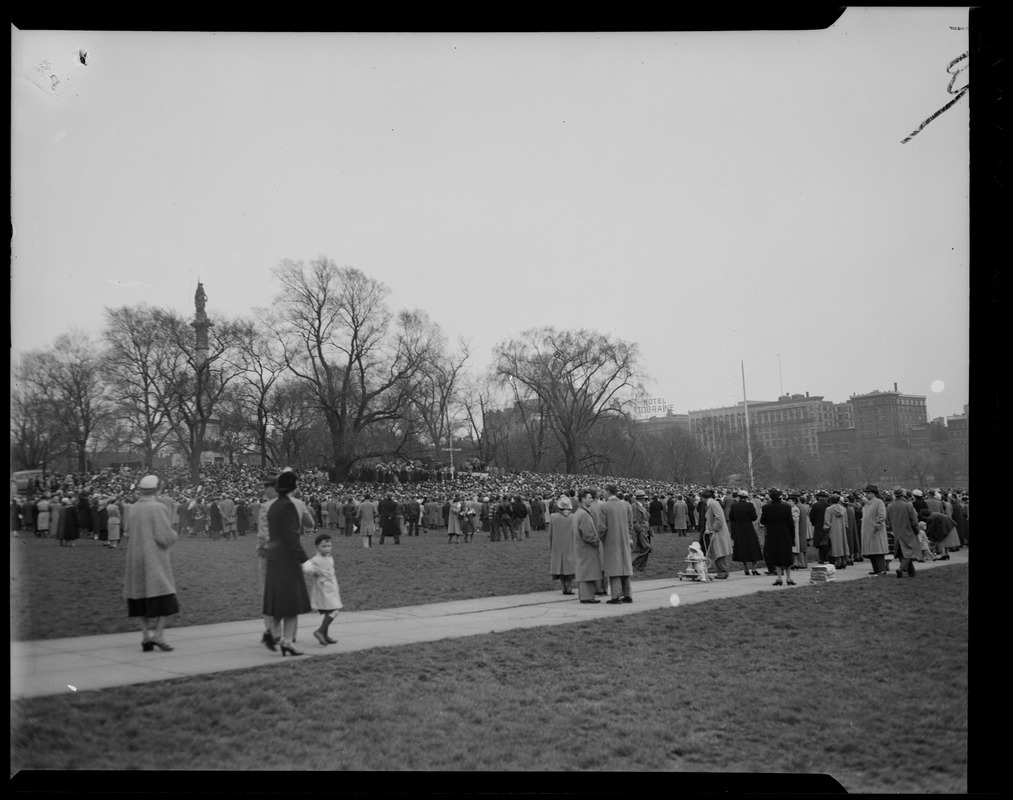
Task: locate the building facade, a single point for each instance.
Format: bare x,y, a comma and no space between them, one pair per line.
888,416
792,424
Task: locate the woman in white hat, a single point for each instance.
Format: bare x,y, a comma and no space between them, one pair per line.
148,586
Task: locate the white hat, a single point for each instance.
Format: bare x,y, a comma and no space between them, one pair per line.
694,546
564,502
917,492
149,482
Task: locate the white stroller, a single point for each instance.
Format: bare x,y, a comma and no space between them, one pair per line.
697,564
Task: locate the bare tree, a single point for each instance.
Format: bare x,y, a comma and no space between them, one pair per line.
484,422
361,361
195,380
260,354
68,376
714,462
136,343
435,399
580,377
530,411
35,425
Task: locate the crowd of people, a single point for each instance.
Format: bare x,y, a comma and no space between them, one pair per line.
600,529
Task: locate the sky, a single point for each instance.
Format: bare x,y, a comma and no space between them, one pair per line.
731,201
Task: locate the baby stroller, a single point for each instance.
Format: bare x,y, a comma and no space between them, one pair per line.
697,566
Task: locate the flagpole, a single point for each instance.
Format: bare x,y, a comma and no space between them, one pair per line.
749,444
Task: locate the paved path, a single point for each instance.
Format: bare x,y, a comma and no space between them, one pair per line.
89,663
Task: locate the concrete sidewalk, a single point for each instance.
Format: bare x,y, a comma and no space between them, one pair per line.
89,663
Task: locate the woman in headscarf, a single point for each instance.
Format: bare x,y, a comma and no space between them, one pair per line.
835,523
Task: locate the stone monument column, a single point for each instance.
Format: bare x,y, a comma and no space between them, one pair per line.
200,324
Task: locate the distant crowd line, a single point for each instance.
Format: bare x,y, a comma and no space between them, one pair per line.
600,530
502,507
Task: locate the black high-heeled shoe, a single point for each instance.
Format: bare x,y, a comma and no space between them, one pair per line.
287,650
162,645
791,583
778,582
147,645
269,641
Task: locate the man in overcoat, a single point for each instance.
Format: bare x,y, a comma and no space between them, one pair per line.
616,550
903,521
588,551
388,510
716,539
817,515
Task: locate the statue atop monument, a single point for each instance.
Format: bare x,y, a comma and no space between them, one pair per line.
200,299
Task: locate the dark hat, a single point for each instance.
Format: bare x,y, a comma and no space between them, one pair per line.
872,488
775,494
925,513
287,481
897,490
822,493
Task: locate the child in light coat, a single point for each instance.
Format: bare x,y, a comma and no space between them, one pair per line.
697,561
324,594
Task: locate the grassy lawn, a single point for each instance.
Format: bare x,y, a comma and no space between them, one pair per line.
853,680
61,591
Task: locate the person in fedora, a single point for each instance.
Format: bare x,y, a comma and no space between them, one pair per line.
285,594
148,584
875,544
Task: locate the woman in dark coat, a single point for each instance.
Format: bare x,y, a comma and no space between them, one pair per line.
84,519
242,517
216,523
285,595
745,543
103,523
777,520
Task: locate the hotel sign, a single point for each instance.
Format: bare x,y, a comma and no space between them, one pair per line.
652,407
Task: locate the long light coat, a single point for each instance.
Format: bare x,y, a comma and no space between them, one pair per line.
367,514
562,544
113,521
587,547
149,571
680,517
874,539
615,538
717,526
835,523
